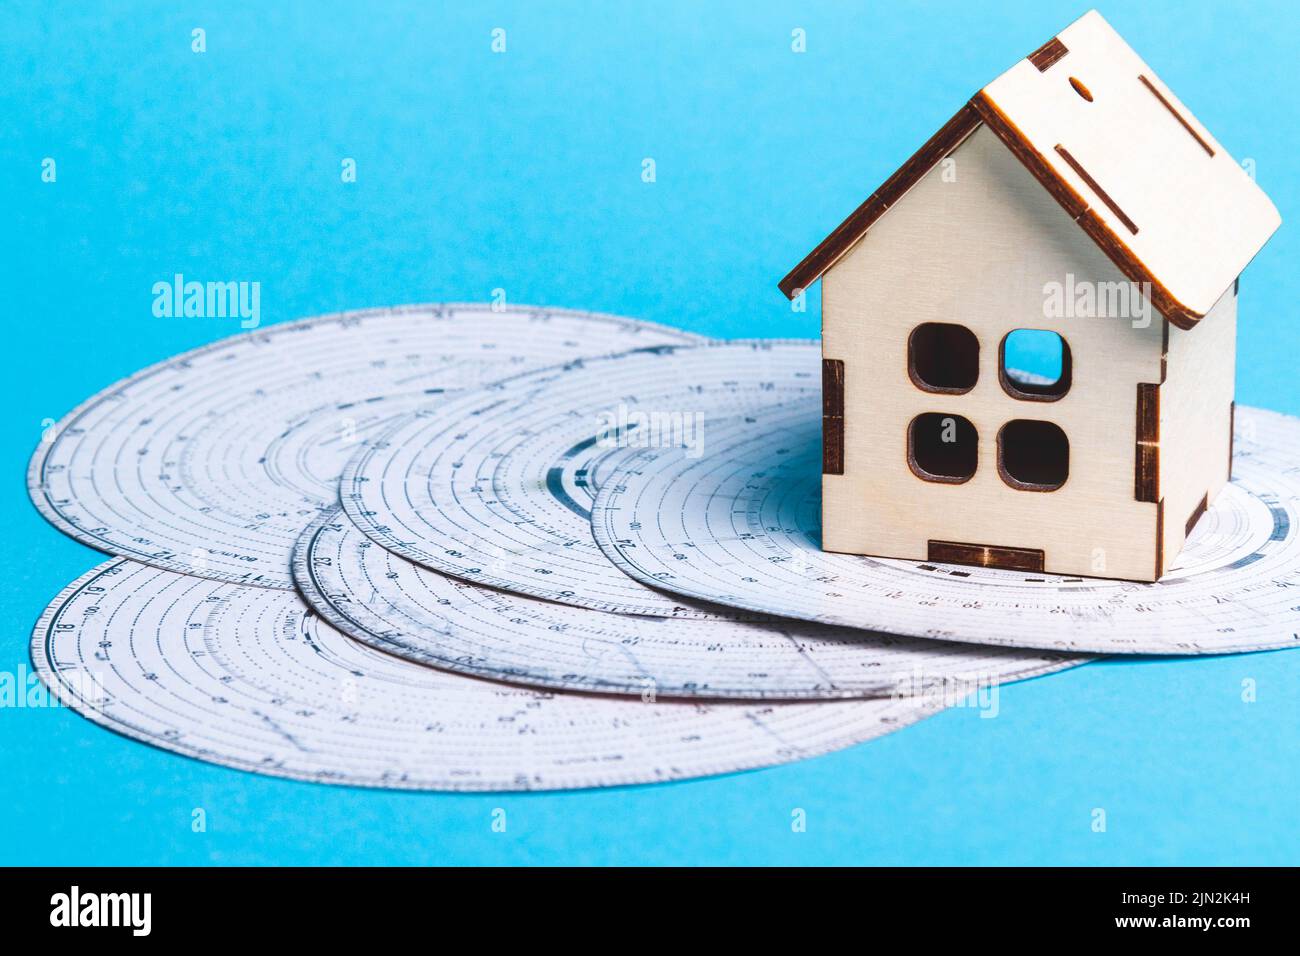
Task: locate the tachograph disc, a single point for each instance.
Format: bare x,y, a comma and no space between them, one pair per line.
397,606
250,678
213,462
741,526
495,486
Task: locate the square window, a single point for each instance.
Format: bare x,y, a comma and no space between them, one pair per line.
1033,455
942,357
942,448
1034,365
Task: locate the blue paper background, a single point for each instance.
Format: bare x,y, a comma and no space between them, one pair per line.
522,171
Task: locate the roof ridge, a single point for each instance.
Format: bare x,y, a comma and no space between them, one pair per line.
1231,220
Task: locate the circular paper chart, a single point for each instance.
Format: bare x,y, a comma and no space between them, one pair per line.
250,678
397,606
213,462
741,526
495,487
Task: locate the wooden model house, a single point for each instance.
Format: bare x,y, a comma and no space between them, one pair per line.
1073,199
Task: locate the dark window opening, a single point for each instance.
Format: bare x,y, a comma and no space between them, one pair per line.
942,357
942,447
1033,455
1034,365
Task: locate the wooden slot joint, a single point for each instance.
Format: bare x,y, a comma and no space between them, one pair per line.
1182,120
1095,186
1047,54
832,417
1146,482
986,556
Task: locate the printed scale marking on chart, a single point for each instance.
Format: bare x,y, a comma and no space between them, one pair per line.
742,527
399,607
249,678
495,486
212,462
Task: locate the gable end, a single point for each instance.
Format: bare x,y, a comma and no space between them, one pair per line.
949,137
1181,230
1081,212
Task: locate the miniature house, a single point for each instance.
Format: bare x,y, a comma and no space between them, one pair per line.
1074,201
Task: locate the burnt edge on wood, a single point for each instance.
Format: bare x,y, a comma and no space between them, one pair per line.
1160,539
950,136
1146,479
1012,481
1029,157
1075,206
1232,434
1202,506
922,384
920,472
986,556
832,417
1095,186
1037,393
1164,350
1176,115
855,226
1047,54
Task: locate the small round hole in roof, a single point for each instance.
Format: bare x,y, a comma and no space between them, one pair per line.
1081,89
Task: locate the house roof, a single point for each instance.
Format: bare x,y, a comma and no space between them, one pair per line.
1120,153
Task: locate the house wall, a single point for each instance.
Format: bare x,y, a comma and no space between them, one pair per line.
1196,418
974,242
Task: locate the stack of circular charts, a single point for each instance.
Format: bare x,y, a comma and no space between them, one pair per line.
456,547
